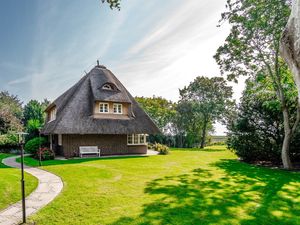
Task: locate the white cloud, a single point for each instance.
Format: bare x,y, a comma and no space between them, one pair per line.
179,47
59,58
20,80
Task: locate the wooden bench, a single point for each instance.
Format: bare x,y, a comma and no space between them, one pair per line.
86,150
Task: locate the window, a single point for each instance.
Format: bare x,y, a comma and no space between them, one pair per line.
136,139
103,107
107,87
118,108
52,114
142,138
129,139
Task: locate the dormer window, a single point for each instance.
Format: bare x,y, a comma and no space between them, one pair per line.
118,108
103,107
107,87
52,114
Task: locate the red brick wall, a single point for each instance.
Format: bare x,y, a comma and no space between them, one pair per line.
109,144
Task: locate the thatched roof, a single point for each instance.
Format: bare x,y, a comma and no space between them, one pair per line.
75,108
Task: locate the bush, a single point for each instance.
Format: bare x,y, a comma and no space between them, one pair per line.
8,142
162,149
150,146
46,154
256,132
33,145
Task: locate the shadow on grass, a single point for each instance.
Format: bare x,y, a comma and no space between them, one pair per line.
29,161
240,194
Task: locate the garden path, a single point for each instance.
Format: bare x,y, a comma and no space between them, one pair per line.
48,188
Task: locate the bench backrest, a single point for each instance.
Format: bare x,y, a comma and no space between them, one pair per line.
88,149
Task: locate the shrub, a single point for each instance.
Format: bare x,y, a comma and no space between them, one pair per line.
256,132
162,149
150,146
33,145
8,142
46,154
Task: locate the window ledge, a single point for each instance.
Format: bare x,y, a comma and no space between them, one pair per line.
137,144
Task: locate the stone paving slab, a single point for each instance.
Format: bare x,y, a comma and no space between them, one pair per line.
48,188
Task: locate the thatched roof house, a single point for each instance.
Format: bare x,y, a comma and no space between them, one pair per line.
98,111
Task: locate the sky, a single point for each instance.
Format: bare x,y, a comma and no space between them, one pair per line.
154,47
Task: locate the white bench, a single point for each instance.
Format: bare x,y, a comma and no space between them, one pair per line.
84,150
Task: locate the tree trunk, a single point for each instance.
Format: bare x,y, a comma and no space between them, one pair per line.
290,51
290,43
285,151
202,145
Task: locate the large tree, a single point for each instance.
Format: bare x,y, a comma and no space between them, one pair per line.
10,113
290,43
256,132
252,48
210,99
159,109
33,111
34,116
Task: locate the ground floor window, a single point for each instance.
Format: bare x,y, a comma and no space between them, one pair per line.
136,139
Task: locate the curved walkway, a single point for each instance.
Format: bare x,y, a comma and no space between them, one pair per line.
48,188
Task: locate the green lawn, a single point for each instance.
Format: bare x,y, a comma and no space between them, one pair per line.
10,184
185,187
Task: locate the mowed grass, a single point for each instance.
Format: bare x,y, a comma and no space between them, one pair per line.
186,187
10,186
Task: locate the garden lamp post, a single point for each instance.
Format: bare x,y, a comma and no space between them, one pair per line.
40,153
21,142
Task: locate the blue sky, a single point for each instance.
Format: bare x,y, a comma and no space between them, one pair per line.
154,47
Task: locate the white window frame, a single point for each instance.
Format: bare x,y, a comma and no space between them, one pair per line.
103,103
132,137
117,105
52,115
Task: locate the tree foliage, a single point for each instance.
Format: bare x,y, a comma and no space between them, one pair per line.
34,117
252,48
188,124
159,109
256,133
33,111
207,100
10,113
253,43
113,4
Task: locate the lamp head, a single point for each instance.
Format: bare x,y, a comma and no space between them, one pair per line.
21,137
